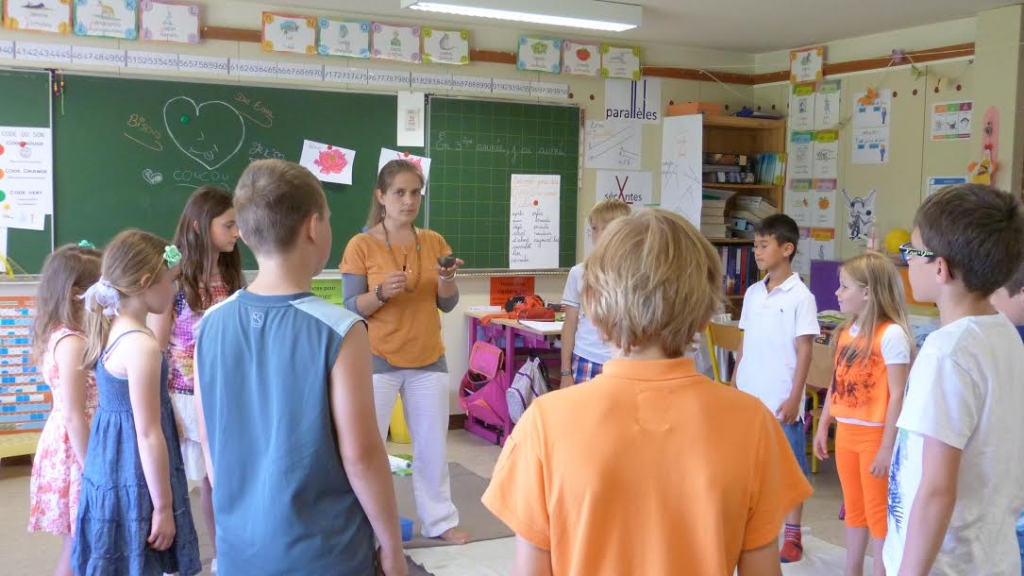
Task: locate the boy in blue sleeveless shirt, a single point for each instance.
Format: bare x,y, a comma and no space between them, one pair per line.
285,399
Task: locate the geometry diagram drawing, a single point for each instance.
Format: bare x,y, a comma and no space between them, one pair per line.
682,165
613,144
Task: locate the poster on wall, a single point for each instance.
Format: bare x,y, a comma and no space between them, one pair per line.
798,207
682,165
806,65
870,146
581,59
445,46
534,221
826,159
613,144
951,121
826,104
801,107
539,54
872,109
169,22
26,170
399,43
860,215
635,188
285,33
801,155
633,100
53,16
348,38
112,19
618,62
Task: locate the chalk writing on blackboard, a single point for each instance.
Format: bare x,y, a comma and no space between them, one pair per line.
210,133
511,148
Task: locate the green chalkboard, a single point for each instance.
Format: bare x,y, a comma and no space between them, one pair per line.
128,152
25,102
475,148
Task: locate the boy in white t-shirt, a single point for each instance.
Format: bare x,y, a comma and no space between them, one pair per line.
955,487
779,322
584,352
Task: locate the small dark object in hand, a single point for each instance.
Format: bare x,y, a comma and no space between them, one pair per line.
446,261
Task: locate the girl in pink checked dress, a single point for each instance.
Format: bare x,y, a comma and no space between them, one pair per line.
211,270
59,348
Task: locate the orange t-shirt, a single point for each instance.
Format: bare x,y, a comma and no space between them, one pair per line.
861,391
407,331
650,468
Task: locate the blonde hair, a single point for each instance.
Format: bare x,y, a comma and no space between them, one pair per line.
653,279
68,268
385,179
607,210
886,302
272,200
131,263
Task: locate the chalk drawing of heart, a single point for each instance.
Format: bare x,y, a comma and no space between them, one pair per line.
153,178
207,132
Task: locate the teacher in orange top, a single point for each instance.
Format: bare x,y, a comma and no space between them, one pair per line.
392,277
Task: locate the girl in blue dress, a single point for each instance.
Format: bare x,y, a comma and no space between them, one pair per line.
134,517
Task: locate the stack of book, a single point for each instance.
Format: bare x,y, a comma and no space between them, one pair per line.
768,168
729,169
747,213
712,213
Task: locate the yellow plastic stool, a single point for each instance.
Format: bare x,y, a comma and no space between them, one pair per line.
399,430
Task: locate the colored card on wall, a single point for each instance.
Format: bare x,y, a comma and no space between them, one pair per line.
110,19
348,38
289,33
445,46
169,22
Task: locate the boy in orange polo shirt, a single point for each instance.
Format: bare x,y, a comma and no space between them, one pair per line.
644,471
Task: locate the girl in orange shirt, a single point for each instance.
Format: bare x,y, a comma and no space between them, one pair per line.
873,354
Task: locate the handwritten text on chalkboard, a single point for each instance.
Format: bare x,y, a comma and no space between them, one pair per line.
507,146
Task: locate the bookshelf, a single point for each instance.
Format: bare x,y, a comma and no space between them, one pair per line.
746,136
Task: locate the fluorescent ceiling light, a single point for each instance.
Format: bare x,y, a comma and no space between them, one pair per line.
590,14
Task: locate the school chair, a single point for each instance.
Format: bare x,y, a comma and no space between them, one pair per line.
725,336
819,379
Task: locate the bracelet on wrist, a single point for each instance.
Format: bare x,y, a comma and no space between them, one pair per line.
566,372
379,293
449,278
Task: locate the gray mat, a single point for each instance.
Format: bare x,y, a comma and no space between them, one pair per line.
467,488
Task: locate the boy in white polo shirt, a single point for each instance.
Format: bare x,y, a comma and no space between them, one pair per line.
779,322
583,350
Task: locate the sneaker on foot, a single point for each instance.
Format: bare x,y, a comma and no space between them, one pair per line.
792,551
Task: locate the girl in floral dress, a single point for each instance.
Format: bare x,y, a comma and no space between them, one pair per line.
59,348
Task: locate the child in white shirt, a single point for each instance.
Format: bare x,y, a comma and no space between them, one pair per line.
955,487
584,352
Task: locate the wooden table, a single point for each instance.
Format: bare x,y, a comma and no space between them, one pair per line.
508,330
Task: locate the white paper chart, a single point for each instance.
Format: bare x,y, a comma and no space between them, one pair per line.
534,221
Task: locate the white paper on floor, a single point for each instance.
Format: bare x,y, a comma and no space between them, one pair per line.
494,558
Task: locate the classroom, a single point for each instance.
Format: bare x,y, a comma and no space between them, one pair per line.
845,117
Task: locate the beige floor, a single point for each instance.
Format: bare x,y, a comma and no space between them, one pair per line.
24,554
